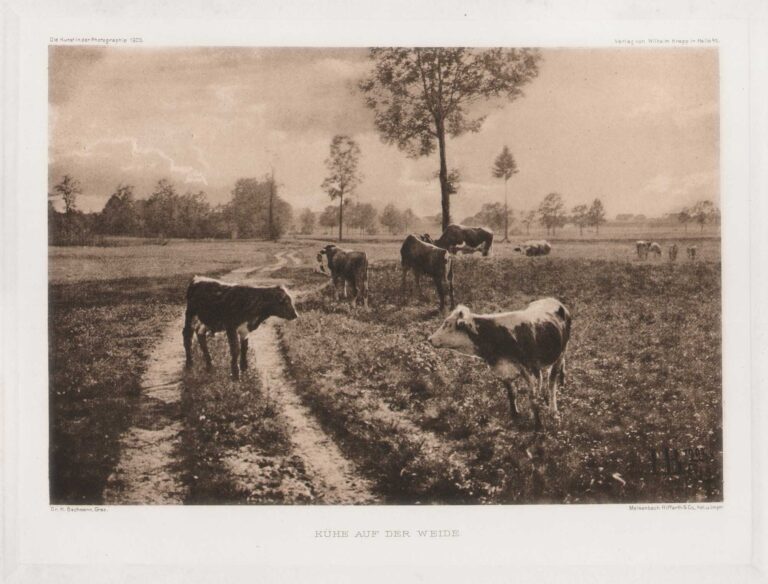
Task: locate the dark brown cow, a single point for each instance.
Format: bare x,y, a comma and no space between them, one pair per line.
423,258
214,306
346,267
529,342
457,238
672,250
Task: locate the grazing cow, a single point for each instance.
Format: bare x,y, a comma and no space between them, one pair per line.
642,249
214,306
672,252
654,247
457,238
534,248
346,267
691,251
529,342
423,258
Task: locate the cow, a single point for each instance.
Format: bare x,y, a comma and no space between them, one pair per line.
691,251
642,249
529,342
672,251
534,248
457,238
346,267
426,259
214,306
654,247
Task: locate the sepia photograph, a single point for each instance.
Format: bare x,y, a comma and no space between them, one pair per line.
436,275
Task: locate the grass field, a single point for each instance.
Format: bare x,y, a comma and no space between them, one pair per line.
424,425
644,368
107,307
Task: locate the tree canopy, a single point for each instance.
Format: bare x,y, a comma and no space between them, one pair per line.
421,95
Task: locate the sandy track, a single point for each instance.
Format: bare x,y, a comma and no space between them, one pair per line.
335,479
149,471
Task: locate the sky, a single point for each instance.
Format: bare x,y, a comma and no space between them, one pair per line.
637,128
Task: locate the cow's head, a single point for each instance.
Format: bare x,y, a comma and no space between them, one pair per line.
284,306
427,238
323,259
457,332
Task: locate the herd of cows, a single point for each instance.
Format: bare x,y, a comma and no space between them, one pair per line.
646,247
529,343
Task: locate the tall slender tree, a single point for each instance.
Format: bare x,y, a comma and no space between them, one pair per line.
420,96
343,175
597,214
68,188
505,167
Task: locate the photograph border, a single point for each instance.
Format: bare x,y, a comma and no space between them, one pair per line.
537,540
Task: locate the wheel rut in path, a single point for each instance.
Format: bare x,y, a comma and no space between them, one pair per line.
148,471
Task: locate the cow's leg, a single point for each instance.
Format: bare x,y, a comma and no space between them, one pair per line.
533,380
419,290
335,289
234,350
450,286
187,335
404,285
364,289
353,293
440,292
556,375
203,342
510,387
243,353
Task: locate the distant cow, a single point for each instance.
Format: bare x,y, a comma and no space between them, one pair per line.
529,342
642,249
214,306
672,251
423,258
654,247
457,238
691,251
346,267
534,248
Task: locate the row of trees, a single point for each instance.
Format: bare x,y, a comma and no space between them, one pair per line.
551,214
702,213
362,217
255,210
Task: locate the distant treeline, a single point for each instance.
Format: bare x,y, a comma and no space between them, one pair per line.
255,211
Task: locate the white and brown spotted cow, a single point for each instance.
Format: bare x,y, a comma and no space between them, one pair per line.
529,342
214,306
654,248
642,249
691,251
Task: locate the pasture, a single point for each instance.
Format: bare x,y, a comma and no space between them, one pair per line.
641,408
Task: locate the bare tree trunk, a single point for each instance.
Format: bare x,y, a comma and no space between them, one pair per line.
506,213
444,191
341,214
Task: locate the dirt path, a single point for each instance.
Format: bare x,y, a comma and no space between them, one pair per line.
149,472
335,479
